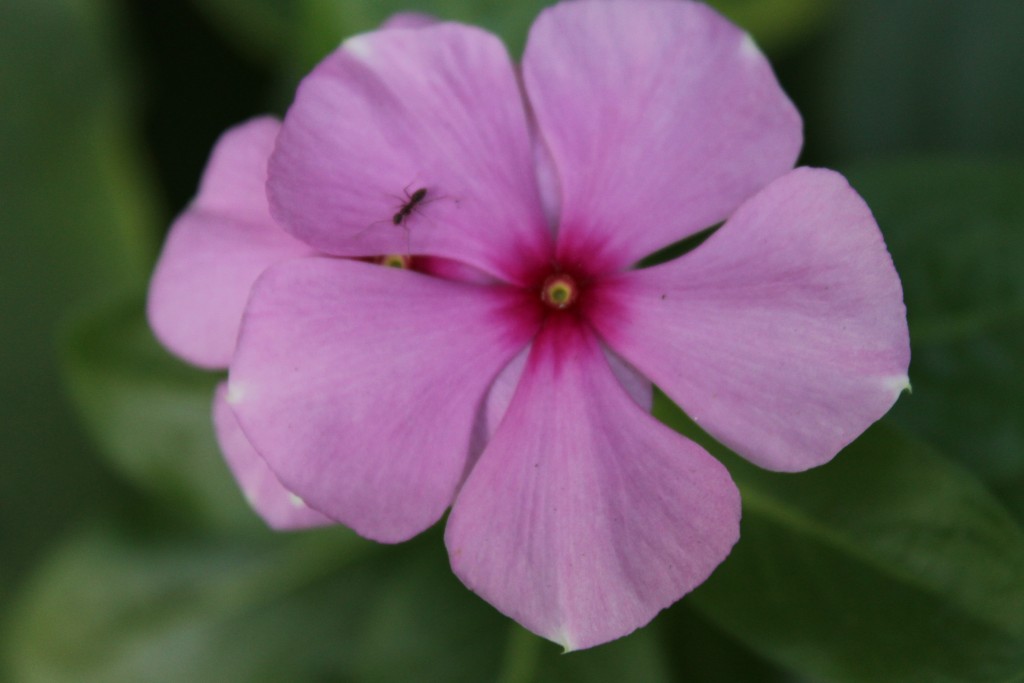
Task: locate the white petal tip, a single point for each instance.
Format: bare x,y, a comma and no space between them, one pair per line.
897,385
296,501
561,637
358,47
749,48
235,394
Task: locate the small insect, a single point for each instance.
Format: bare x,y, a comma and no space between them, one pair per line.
410,204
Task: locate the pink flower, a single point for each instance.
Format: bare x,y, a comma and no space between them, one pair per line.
215,251
520,397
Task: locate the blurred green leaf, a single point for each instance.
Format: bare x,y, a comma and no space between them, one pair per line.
258,28
423,625
318,606
531,659
888,564
151,415
637,657
301,34
775,24
76,197
698,650
77,214
955,232
921,76
112,608
325,23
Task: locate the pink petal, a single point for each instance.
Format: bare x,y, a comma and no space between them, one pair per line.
636,385
494,407
499,397
392,112
784,335
217,248
585,516
234,182
280,508
360,385
451,270
661,118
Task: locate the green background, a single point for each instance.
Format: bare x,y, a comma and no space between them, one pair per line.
127,554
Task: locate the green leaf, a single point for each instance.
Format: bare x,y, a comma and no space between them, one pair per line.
151,415
637,657
258,28
77,214
920,76
112,608
324,24
312,28
309,607
531,659
75,195
425,626
300,34
775,24
888,564
954,229
698,650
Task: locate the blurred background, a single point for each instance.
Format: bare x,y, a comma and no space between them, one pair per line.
127,554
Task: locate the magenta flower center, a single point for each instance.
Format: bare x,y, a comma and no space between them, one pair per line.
559,291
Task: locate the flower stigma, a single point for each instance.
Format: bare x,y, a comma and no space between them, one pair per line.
559,291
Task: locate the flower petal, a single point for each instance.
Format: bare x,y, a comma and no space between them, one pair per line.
234,182
499,396
585,516
661,118
636,385
360,385
217,248
280,508
391,112
784,335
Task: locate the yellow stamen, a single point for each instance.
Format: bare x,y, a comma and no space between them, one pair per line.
396,261
559,291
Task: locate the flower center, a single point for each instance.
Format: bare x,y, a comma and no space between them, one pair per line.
559,291
396,261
